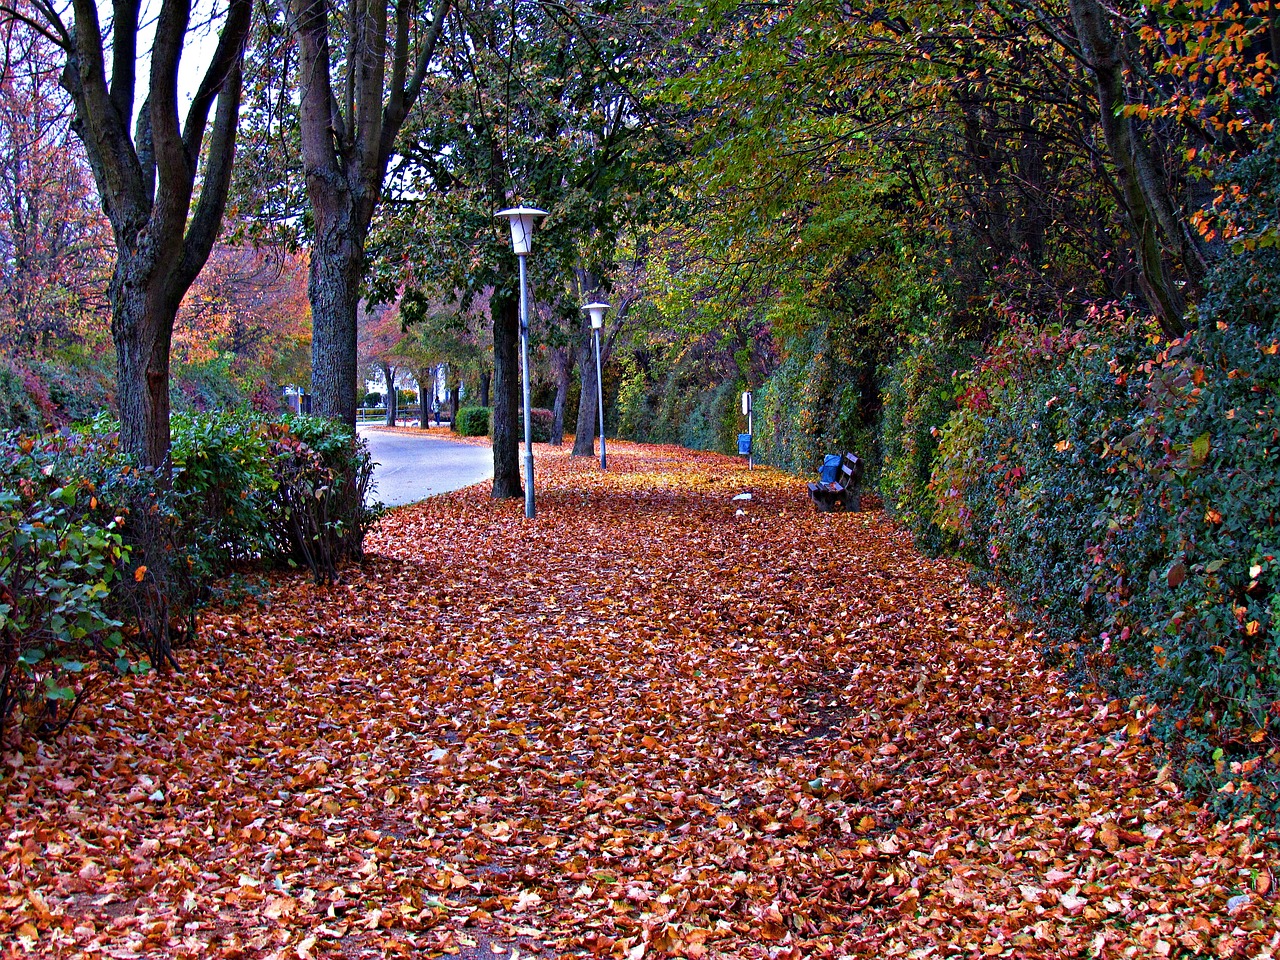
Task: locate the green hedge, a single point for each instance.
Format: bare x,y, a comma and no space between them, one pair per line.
917,402
473,421
1123,490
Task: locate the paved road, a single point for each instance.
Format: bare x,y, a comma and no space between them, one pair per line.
412,466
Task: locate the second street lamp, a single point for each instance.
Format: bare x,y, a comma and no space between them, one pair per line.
596,310
521,219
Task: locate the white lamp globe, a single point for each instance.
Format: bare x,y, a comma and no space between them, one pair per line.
521,219
597,311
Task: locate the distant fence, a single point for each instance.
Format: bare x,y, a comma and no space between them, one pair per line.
405,416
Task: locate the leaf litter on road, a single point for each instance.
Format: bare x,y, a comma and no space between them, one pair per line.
642,725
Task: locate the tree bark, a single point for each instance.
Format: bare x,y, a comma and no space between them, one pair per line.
333,287
348,134
1162,238
562,368
484,388
393,398
506,395
146,178
584,434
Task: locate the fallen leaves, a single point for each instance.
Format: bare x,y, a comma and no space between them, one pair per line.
640,726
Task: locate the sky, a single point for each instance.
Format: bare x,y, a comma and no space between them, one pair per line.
202,40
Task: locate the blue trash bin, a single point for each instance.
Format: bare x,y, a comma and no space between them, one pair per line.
744,444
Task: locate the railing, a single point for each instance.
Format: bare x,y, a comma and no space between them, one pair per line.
404,416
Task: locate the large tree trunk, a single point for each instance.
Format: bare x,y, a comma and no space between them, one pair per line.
584,434
333,286
348,130
506,395
141,328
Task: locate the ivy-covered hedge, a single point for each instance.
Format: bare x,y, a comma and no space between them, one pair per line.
917,402
74,587
1124,490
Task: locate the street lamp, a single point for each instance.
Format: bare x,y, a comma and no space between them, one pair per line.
521,219
596,310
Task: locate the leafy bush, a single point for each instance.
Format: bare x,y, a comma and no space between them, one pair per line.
319,509
76,582
19,409
917,402
63,552
540,424
223,479
813,405
79,388
473,422
1124,491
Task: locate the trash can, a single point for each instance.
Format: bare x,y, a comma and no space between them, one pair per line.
744,444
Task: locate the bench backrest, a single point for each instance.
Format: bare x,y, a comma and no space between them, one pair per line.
851,468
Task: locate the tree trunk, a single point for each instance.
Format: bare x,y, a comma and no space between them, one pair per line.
393,398
562,367
506,395
333,286
141,328
454,397
584,434
484,388
1157,227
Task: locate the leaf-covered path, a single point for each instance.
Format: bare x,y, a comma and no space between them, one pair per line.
638,726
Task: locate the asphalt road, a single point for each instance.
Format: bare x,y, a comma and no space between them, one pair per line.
411,466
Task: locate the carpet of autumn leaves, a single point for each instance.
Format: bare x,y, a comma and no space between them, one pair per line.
640,726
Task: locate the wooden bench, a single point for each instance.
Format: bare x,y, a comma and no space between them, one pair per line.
843,493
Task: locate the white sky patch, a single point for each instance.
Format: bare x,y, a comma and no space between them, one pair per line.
207,17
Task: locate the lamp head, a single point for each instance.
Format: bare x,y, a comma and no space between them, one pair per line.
597,311
521,219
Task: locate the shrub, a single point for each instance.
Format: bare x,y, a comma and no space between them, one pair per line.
473,422
75,513
540,423
79,388
19,410
62,553
224,482
319,508
812,405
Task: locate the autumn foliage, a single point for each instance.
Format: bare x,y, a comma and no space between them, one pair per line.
645,725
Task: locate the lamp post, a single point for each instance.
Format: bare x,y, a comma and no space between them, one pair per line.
596,310
521,219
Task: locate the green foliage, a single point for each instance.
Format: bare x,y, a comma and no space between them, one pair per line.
291,490
1123,490
224,484
473,421
917,402
206,387
812,405
319,512
61,552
